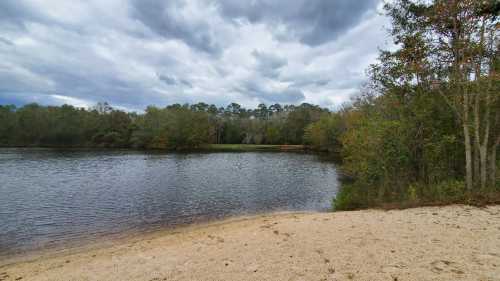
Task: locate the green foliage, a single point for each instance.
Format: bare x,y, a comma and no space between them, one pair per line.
272,134
447,191
412,195
8,123
389,146
357,196
405,137
173,127
324,134
350,197
297,121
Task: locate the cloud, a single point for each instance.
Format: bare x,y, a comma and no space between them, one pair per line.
15,13
5,41
269,64
174,81
269,94
167,79
312,22
182,20
140,52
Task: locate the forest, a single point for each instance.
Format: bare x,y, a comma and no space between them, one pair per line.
173,127
424,129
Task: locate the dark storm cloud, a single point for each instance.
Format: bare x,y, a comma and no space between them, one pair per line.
5,41
19,98
167,79
256,89
172,81
186,83
15,12
313,22
288,95
269,64
165,18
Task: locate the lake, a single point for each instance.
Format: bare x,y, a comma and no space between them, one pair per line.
51,198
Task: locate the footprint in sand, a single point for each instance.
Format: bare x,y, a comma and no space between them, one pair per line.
4,276
440,266
394,268
217,238
489,259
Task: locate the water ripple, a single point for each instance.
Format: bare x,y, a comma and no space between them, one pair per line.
51,197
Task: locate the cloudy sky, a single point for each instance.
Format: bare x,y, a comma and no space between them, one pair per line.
134,53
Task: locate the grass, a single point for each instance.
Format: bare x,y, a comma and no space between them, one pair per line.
252,147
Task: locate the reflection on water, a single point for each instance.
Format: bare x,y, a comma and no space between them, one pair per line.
52,197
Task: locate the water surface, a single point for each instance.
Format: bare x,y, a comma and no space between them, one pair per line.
51,198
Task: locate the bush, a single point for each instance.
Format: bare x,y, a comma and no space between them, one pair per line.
450,191
350,197
358,196
412,194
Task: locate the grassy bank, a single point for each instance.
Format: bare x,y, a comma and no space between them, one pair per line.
252,147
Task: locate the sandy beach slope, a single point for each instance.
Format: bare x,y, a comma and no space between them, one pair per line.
432,243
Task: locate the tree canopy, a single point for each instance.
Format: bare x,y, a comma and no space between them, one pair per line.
173,127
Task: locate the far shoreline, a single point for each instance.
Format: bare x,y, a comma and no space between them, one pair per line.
206,147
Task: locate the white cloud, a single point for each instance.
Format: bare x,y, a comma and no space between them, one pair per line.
73,101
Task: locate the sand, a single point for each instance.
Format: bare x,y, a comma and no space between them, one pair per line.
432,243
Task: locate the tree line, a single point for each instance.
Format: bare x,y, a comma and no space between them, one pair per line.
173,127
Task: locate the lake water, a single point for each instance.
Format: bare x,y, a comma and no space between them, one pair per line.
51,198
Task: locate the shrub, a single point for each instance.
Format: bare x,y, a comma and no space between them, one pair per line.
350,197
412,193
449,191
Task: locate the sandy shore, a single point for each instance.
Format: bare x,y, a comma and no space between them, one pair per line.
438,243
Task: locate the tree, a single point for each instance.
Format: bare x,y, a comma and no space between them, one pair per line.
7,123
325,133
262,112
298,118
451,47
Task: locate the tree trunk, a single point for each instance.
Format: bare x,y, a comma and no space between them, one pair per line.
484,166
477,161
468,148
477,139
468,158
493,163
483,145
494,148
